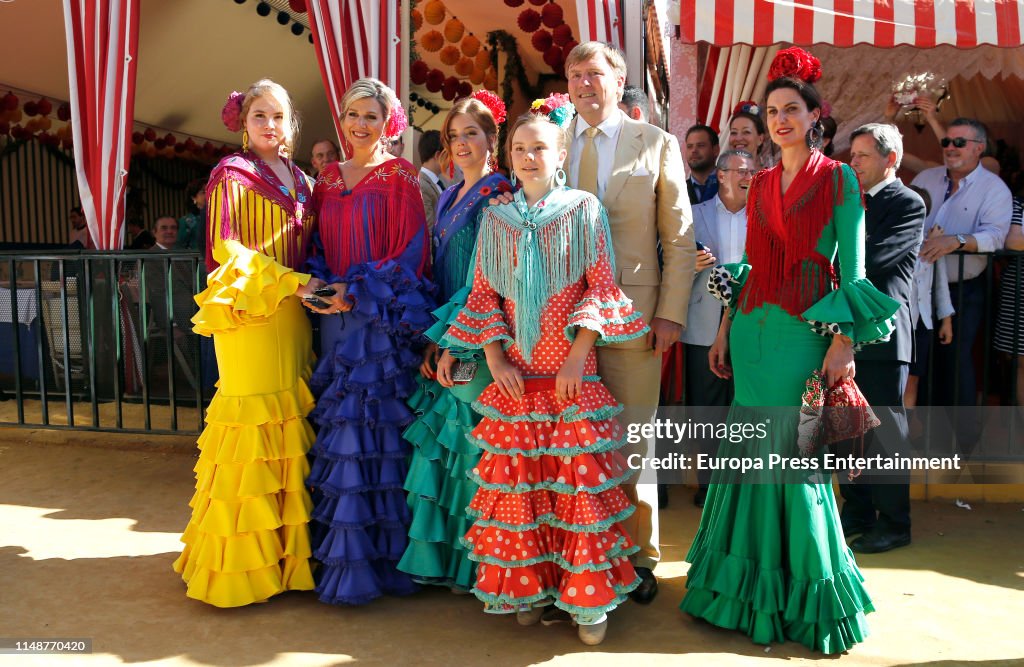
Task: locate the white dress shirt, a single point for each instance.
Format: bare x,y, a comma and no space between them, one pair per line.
604,143
877,187
732,233
981,206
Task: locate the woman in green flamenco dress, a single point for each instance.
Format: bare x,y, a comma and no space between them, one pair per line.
770,559
438,483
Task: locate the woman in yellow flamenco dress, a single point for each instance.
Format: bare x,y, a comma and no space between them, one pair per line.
248,538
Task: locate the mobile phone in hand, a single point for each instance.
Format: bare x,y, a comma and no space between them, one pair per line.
700,246
315,302
327,290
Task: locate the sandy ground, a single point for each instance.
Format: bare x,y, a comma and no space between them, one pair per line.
89,527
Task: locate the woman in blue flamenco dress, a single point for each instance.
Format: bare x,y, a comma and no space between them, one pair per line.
769,558
438,483
371,248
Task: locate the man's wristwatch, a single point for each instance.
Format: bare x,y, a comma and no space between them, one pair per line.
962,240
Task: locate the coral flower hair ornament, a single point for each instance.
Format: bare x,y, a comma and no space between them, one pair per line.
493,103
796,63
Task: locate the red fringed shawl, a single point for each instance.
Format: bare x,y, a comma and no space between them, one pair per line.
782,233
375,219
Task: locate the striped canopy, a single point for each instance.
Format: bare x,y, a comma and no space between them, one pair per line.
884,23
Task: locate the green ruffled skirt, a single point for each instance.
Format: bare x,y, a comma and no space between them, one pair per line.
770,559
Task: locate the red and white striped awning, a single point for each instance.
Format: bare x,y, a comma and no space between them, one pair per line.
599,20
884,23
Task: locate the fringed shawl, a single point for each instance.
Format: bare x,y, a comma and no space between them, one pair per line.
783,232
531,253
374,220
252,220
455,231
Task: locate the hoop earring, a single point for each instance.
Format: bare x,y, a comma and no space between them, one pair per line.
245,140
560,177
815,137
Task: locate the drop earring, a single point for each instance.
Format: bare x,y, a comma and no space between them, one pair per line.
245,140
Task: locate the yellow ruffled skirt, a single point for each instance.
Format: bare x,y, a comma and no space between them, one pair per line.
248,538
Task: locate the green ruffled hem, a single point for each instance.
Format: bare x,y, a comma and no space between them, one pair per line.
601,445
551,486
443,422
616,551
570,414
860,310
439,563
551,520
736,593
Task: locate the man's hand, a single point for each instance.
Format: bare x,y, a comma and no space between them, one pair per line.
946,331
662,334
937,247
705,260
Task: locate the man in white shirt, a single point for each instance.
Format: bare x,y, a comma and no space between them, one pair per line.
720,225
974,207
431,187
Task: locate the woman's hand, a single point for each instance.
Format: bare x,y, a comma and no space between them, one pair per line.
569,381
506,376
430,355
718,355
336,303
946,331
307,290
444,370
838,360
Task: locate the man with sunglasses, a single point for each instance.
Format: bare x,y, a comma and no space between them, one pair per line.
720,226
974,207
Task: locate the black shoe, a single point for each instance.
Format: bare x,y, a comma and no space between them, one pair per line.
662,496
851,528
876,543
700,496
648,588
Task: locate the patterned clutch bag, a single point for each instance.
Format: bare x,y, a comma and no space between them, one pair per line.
831,415
463,372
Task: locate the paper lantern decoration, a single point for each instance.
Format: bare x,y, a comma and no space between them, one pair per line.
45,106
435,79
190,144
450,54
553,57
160,144
465,89
514,3
552,15
561,34
478,74
432,41
31,108
170,139
491,80
10,102
15,116
529,20
470,46
541,40
454,30
434,12
569,46
64,112
450,88
483,59
464,67
298,6
417,19
538,3
45,123
418,72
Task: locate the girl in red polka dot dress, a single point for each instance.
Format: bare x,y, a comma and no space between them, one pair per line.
547,512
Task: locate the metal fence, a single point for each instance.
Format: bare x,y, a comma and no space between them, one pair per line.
102,341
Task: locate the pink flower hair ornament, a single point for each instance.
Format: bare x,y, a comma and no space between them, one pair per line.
556,107
493,103
231,114
397,121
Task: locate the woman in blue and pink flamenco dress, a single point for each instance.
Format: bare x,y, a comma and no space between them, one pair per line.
370,246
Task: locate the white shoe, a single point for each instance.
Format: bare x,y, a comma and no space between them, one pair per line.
530,616
592,635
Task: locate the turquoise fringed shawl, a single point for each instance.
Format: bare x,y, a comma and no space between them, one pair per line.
531,253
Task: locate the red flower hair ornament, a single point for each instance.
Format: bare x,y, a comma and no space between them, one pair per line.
796,63
231,114
493,103
747,106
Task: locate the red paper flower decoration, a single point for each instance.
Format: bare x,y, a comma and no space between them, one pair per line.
538,2
552,15
465,89
10,102
450,88
541,40
435,79
561,34
31,108
64,112
493,103
797,63
298,6
418,72
529,20
150,134
568,47
553,57
45,106
514,3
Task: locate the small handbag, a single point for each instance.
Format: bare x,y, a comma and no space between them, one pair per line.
463,372
831,415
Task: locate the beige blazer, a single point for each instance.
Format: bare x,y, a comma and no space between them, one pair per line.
647,202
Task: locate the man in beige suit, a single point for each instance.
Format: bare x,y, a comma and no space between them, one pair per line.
637,171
